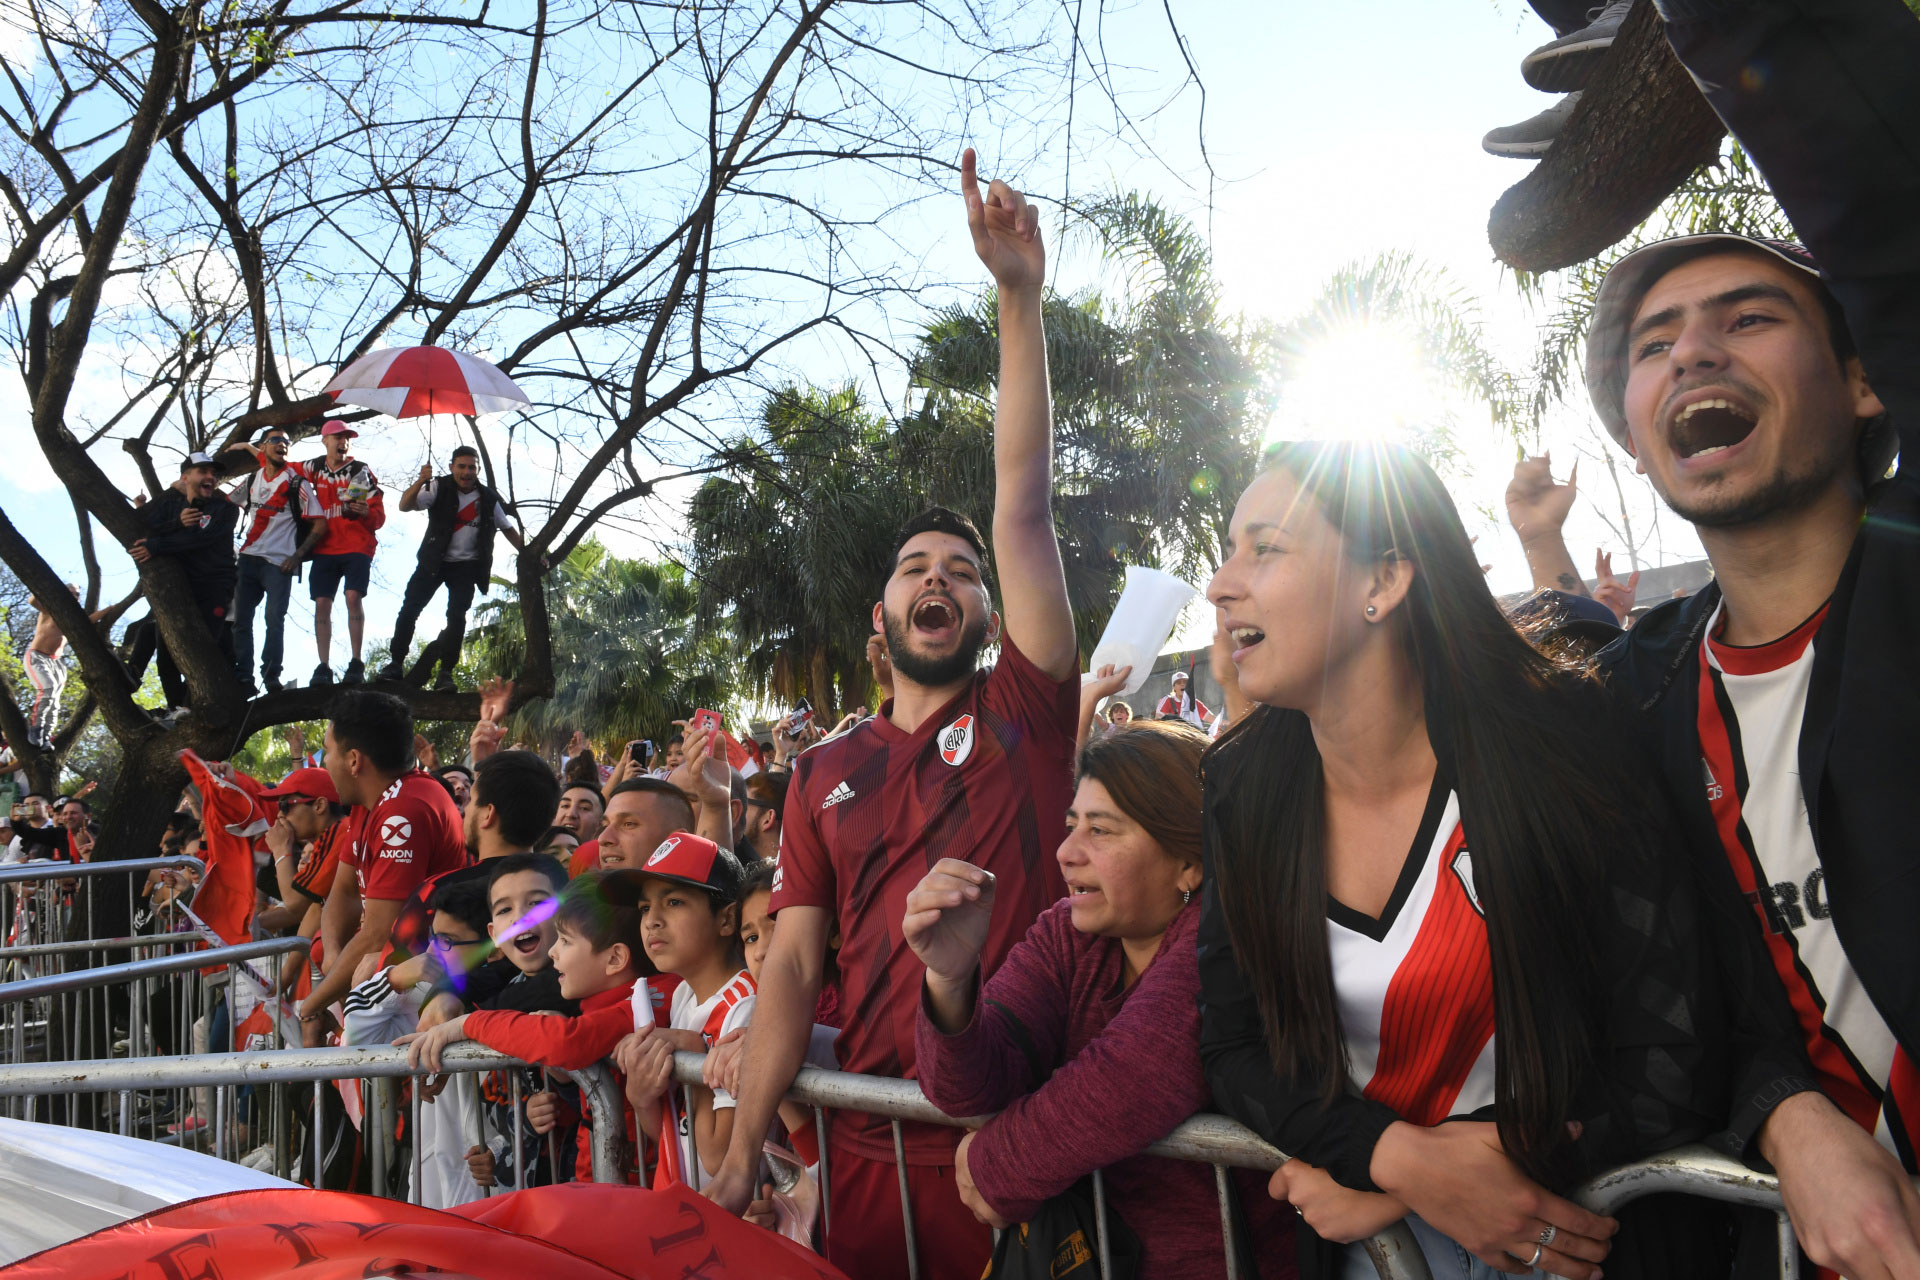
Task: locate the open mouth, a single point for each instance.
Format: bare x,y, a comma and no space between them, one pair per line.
1244,638
1077,891
1707,427
935,615
525,944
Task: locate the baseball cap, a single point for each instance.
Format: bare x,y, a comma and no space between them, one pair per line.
1625,287
317,783
335,427
197,458
1180,675
683,858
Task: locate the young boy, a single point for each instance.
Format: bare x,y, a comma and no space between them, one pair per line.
595,957
522,889
687,896
388,1005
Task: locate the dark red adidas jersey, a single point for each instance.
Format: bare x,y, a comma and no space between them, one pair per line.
987,779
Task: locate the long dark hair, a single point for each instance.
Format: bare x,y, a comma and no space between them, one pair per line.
1543,807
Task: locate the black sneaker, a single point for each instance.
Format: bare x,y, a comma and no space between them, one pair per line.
1566,64
1530,139
249,688
322,674
445,683
356,673
273,683
393,671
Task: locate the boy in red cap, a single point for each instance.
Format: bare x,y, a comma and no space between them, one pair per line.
686,894
349,499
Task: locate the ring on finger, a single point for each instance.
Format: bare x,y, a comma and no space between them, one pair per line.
1534,1261
1547,1233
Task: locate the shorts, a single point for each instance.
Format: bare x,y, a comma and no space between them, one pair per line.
330,571
865,1237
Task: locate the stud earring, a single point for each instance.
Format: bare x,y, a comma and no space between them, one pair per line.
1371,611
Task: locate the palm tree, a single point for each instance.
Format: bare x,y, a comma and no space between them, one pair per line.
1161,403
628,655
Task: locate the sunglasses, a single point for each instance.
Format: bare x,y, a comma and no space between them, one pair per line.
275,440
294,802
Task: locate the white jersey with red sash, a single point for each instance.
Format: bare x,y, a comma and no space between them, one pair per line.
1752,700
727,1009
1415,986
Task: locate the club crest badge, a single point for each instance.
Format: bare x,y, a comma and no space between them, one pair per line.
1463,868
665,851
956,741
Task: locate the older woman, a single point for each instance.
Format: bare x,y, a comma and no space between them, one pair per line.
1087,1039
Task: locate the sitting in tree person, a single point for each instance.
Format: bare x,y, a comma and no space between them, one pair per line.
457,553
192,522
47,673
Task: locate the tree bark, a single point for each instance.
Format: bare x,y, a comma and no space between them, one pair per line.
1640,129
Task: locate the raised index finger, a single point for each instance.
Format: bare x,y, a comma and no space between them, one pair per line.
970,181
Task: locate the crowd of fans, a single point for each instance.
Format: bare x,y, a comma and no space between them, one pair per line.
1456,901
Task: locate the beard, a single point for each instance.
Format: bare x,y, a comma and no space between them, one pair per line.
928,670
1783,493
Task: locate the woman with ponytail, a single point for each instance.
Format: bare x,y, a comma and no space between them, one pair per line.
1439,887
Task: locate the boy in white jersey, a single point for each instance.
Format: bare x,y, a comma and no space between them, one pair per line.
689,926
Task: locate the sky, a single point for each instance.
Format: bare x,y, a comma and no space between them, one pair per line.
1336,132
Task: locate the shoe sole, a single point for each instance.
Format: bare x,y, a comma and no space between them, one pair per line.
1517,150
1566,69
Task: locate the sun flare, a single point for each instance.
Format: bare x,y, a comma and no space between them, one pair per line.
1364,382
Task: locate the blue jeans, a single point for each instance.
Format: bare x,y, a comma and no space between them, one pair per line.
259,578
1447,1260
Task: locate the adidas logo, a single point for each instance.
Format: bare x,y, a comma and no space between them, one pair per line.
834,797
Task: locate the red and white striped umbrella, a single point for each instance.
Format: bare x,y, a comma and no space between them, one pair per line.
411,382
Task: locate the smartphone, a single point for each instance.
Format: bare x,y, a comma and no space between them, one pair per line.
704,719
801,717
639,752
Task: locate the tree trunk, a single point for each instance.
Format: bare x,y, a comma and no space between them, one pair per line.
1640,129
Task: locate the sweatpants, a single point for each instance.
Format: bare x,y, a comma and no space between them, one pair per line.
866,1237
48,676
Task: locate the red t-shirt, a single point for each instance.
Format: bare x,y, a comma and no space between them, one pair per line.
412,835
988,780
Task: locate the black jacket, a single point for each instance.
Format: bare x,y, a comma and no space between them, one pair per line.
440,526
1834,124
204,551
1659,1072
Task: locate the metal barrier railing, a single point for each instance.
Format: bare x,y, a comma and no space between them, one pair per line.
280,1067
1203,1139
35,910
1226,1144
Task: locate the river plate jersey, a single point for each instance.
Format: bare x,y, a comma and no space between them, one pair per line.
1752,700
987,779
1415,986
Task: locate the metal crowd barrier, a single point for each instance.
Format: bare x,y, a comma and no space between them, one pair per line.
1204,1139
1225,1144
277,1068
34,909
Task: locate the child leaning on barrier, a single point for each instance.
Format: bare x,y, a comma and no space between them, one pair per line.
686,895
595,954
388,1005
722,1068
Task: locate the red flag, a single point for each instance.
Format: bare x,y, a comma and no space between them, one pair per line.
575,1231
232,814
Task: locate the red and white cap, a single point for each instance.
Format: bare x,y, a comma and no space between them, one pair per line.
683,858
